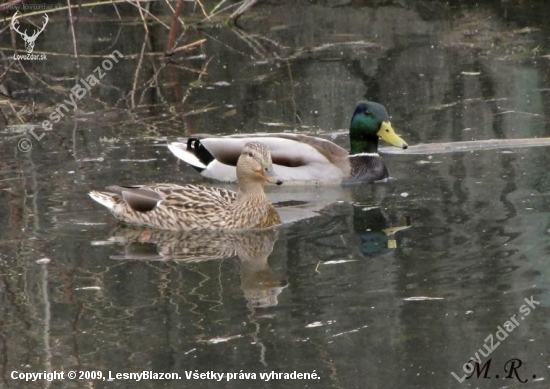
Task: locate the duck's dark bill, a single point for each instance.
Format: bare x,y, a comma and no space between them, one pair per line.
270,176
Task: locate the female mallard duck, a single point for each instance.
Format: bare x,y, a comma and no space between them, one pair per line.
301,158
194,207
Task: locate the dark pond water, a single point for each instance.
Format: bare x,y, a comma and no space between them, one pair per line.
395,285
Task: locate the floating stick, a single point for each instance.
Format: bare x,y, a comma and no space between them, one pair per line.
475,145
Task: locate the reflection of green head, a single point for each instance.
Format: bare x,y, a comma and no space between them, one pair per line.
368,225
370,121
373,243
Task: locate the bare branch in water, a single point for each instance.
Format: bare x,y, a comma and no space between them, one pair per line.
247,4
187,47
141,9
136,74
203,9
73,36
174,29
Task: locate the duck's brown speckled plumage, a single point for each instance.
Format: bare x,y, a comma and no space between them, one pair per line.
195,207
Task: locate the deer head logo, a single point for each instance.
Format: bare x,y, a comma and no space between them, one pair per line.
29,40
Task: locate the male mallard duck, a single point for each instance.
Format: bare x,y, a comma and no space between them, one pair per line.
301,158
193,207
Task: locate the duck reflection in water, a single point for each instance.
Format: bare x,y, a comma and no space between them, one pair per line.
345,232
260,284
375,233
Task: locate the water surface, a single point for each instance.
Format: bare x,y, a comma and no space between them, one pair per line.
334,290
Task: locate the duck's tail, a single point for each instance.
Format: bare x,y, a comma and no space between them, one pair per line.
103,198
192,152
109,200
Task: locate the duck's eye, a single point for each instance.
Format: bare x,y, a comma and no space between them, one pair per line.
367,113
266,169
250,155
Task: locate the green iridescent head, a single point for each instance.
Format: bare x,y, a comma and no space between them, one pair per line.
369,122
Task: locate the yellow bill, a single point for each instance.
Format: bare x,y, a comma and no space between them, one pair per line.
387,133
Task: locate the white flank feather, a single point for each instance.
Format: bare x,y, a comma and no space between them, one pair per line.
220,171
179,150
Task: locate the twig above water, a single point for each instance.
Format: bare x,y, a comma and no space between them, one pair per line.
73,34
247,4
173,29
